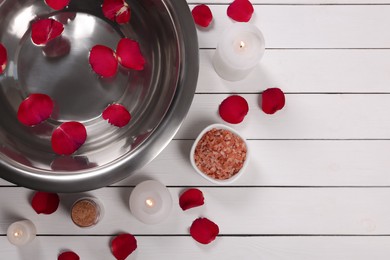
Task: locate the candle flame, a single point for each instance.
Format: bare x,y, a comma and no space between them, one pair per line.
242,44
18,233
149,203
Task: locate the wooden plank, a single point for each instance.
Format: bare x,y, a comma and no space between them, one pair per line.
177,248
283,163
250,211
310,26
314,71
294,2
304,117
5,183
304,163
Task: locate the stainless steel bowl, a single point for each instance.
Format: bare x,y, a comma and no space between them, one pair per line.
157,97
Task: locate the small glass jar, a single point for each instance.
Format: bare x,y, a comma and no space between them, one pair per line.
86,212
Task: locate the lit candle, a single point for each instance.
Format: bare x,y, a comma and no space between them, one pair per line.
239,51
21,232
150,202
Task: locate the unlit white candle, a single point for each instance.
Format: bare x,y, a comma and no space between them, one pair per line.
239,51
150,202
21,232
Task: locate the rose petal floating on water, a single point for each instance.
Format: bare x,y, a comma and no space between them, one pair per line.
233,109
240,10
69,255
117,115
123,245
191,198
66,17
35,109
116,10
45,202
45,30
129,54
16,156
57,48
57,4
68,138
202,15
103,61
204,230
272,100
3,58
71,163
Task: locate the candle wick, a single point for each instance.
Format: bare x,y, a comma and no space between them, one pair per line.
242,44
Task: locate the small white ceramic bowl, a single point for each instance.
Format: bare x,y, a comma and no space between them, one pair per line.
204,175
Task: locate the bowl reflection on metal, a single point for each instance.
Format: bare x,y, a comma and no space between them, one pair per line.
157,97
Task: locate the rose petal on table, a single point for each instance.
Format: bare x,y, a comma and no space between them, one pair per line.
234,109
272,100
191,198
45,30
35,109
129,54
3,58
68,138
117,115
204,230
45,202
57,4
240,10
103,61
69,255
116,10
202,15
123,245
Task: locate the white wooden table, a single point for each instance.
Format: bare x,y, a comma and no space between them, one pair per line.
318,184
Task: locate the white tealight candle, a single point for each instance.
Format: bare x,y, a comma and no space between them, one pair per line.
21,232
239,51
150,202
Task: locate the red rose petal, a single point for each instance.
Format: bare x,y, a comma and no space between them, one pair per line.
191,198
124,15
45,202
71,163
123,245
57,48
68,137
117,115
15,155
272,100
116,10
204,230
103,61
45,30
233,109
69,255
202,15
65,17
3,58
129,54
35,109
57,4
240,10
